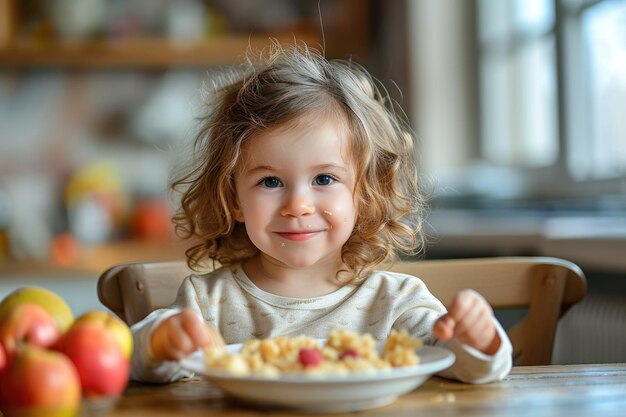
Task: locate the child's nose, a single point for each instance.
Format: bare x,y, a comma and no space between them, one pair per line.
297,205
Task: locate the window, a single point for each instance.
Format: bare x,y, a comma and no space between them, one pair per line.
518,82
595,70
553,85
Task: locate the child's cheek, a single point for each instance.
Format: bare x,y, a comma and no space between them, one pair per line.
340,215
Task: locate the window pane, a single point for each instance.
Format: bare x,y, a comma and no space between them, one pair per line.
518,83
537,117
534,16
495,20
504,19
519,98
604,32
497,143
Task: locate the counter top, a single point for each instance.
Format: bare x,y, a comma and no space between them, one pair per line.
592,240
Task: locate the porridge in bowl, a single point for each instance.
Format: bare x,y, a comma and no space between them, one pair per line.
343,353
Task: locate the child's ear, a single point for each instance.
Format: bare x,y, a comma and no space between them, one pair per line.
238,214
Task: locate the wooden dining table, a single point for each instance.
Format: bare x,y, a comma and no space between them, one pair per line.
529,391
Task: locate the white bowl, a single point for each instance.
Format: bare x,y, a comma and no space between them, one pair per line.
326,393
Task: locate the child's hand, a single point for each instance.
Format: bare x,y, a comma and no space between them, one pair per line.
181,334
469,320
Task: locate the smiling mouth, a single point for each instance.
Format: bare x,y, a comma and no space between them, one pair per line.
299,236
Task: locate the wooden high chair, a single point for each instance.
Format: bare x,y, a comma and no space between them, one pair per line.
547,287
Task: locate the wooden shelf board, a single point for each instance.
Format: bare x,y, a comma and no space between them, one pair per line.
145,53
95,259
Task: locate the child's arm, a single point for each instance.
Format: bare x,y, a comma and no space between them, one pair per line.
469,320
148,361
181,334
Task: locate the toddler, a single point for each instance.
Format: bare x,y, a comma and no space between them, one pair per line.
305,182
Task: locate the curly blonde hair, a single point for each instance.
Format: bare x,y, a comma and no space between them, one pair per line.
284,85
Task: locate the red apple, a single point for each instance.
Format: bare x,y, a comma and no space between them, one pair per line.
99,360
3,358
39,382
27,322
120,330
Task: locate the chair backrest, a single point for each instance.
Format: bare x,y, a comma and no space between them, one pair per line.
547,287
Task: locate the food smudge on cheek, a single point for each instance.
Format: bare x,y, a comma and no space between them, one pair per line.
329,213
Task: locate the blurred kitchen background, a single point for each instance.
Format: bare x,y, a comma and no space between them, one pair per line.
518,106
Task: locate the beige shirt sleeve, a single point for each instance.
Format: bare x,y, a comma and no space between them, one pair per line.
419,310
144,367
475,367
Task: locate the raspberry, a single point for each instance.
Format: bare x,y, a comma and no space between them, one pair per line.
310,357
352,353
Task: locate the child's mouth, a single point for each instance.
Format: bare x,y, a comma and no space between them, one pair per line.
299,236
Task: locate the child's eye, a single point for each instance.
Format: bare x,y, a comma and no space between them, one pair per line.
324,179
270,182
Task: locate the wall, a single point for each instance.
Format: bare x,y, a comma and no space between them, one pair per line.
444,89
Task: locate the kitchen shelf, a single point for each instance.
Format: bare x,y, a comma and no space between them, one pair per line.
95,259
142,53
23,47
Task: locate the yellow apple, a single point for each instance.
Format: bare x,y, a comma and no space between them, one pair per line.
113,324
39,382
47,299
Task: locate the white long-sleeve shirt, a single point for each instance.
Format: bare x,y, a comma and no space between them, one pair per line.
230,301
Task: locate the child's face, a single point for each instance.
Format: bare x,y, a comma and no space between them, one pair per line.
295,190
